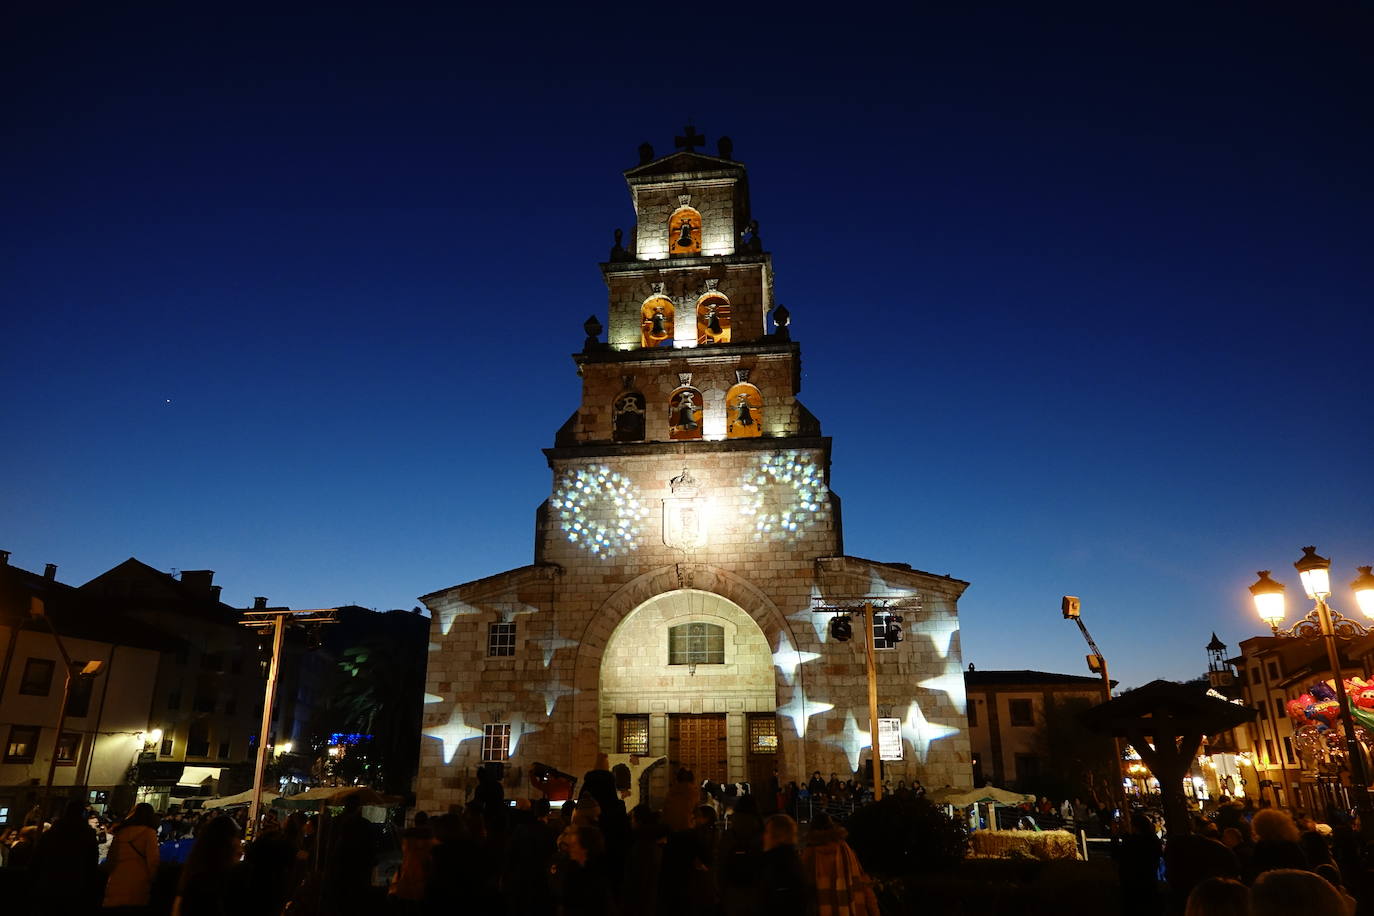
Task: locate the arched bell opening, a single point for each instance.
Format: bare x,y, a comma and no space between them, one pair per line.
713,319
684,232
743,411
656,322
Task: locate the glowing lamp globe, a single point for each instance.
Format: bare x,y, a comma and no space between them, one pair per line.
1364,590
1315,572
1268,597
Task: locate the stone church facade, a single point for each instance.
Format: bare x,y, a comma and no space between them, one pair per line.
690,532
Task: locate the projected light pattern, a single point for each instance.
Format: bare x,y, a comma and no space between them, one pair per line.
921,732
452,612
452,733
787,659
553,693
598,510
819,622
551,644
852,741
951,683
519,728
784,495
800,710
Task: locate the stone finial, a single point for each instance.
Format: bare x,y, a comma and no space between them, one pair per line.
593,329
781,319
646,153
725,148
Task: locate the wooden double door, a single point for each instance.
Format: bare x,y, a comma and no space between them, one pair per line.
698,743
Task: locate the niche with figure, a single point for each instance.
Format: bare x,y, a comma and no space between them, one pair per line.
713,319
627,414
656,322
684,232
684,413
743,411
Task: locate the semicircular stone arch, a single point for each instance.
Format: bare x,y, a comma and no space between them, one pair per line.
592,641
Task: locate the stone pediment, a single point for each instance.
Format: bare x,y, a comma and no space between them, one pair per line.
682,162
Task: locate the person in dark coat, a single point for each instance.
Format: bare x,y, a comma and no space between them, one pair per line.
1276,843
65,866
737,867
782,886
348,865
582,885
213,881
1192,859
1137,855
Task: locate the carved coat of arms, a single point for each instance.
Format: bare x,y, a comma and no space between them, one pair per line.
684,514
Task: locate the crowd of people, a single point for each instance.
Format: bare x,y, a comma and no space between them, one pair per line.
701,852
1239,859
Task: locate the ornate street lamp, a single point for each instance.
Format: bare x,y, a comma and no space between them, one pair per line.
1326,622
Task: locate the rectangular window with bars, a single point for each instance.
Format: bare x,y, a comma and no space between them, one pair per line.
495,742
763,735
633,735
696,644
500,640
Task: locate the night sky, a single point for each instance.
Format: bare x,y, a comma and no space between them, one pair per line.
1084,299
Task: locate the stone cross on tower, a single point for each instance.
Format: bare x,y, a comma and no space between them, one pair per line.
691,140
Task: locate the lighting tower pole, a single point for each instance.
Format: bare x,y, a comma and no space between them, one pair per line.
1097,664
867,609
275,619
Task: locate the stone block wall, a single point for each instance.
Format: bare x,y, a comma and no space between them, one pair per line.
714,199
747,285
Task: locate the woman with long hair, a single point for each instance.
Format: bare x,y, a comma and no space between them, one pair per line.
132,862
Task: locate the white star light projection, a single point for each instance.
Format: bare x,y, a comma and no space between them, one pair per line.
800,710
553,693
519,728
451,613
785,494
921,732
551,644
852,741
452,733
598,510
787,659
820,622
951,682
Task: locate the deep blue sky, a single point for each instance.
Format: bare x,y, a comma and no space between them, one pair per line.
1084,298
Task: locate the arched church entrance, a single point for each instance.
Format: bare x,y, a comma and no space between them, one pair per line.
688,675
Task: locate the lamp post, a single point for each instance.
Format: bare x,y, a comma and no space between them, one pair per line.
1326,622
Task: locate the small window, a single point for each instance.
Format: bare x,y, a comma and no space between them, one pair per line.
1269,757
1022,713
22,746
696,644
495,742
1288,751
1255,676
1027,770
224,750
633,735
972,713
1262,708
198,740
166,749
882,632
174,699
68,747
1273,670
763,734
79,696
37,680
1279,712
204,702
500,640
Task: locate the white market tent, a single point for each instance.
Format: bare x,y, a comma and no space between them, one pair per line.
243,798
